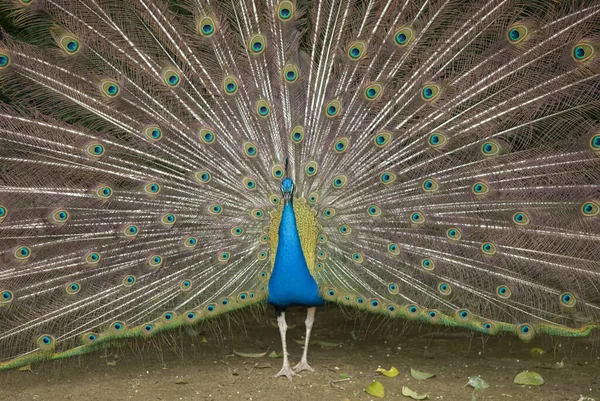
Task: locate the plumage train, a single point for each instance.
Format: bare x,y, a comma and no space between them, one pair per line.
165,162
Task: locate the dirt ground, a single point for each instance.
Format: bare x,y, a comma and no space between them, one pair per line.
200,365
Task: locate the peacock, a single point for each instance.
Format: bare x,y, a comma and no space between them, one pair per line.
166,162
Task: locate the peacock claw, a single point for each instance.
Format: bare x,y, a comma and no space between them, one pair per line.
303,365
287,372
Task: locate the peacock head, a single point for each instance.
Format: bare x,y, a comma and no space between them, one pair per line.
287,189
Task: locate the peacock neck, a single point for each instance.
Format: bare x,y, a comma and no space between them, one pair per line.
291,282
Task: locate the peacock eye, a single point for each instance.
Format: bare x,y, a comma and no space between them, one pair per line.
4,60
517,33
290,73
311,168
583,52
341,145
110,88
430,92
357,50
171,77
297,134
230,85
373,91
69,43
206,26
257,44
333,108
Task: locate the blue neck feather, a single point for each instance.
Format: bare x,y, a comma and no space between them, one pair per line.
291,283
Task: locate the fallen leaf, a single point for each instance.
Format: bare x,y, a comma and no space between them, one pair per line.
529,378
409,393
537,352
477,382
393,372
180,381
274,354
111,363
203,340
263,365
26,368
420,375
325,344
345,376
375,389
250,355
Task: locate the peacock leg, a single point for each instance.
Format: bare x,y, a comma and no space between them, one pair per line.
285,369
310,319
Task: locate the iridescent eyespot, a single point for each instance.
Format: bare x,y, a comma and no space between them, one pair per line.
128,281
322,255
262,108
403,36
249,184
110,88
463,315
382,139
319,267
488,248
230,85
152,188
131,231
211,308
480,188
341,145
333,108
322,239
330,293
3,213
394,249
262,255
430,185
215,209
155,261
417,218
257,213
521,219
357,50
93,258
168,316
263,239
168,219
153,132
46,342
290,73
437,140
89,338
433,315
311,168
357,257
147,329
297,134
413,311
490,148
257,44
503,292
59,216
489,327
374,210
313,197
339,181
206,26
202,177
224,256
250,149
117,326
190,242
374,303
428,264
567,300
453,234
103,192
525,332
583,52
430,92
206,135
171,77
263,275
444,288
393,288
185,285
285,10
345,229
595,142
73,288
274,199
22,253
237,231
591,208
387,177
517,33
94,150
6,297
4,60
373,91
69,43
277,172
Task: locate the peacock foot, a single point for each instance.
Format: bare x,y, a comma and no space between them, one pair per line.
287,372
303,365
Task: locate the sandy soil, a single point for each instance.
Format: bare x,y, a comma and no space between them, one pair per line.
200,365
